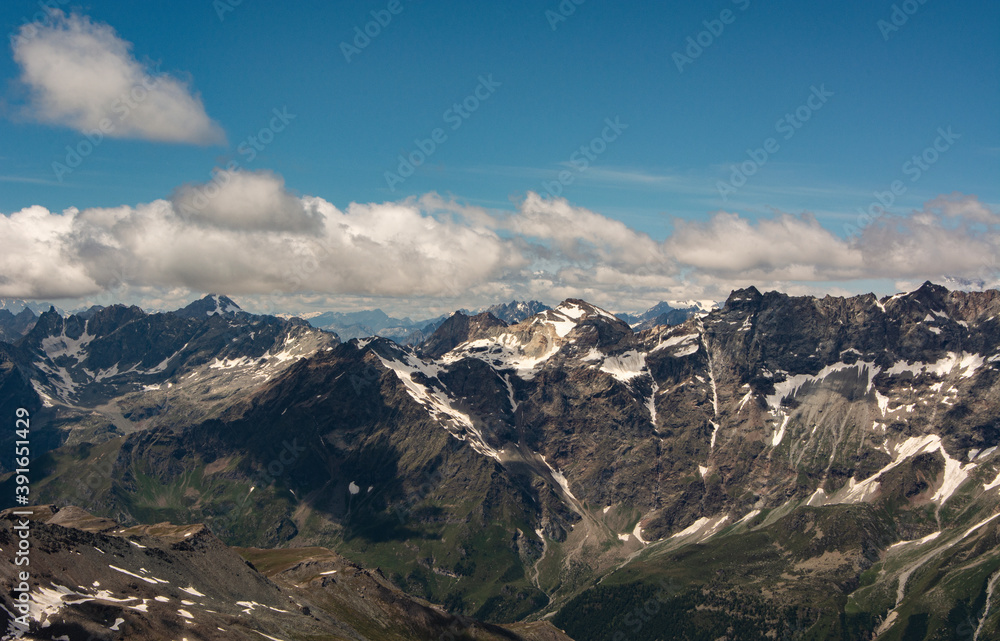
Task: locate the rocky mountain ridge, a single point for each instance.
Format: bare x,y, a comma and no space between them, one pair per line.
844,449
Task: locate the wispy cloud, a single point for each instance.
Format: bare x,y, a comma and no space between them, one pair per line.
28,180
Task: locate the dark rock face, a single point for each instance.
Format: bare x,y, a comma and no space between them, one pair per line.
505,469
210,305
457,330
14,326
142,369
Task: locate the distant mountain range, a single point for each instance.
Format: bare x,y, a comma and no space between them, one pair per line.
405,331
668,314
17,316
17,305
777,468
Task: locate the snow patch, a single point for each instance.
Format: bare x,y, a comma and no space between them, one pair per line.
789,387
780,434
626,366
686,340
703,528
955,473
818,498
637,533
965,363
930,537
979,525
136,576
559,478
437,402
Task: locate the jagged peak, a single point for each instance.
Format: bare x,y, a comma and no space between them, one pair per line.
516,311
929,295
579,309
930,290
210,305
750,293
458,329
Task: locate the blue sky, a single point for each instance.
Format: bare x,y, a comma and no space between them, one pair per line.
554,84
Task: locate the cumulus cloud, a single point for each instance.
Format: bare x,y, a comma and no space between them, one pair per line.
238,200
928,244
784,246
585,235
245,233
961,206
82,75
249,236
38,256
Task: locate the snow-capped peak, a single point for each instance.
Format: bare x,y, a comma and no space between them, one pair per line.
700,305
210,305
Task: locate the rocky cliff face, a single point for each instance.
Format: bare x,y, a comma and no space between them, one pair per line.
458,329
785,464
112,371
14,326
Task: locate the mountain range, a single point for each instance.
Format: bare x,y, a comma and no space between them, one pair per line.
405,331
776,467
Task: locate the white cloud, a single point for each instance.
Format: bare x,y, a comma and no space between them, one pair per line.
784,246
37,257
958,205
245,201
583,235
249,236
82,75
927,246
